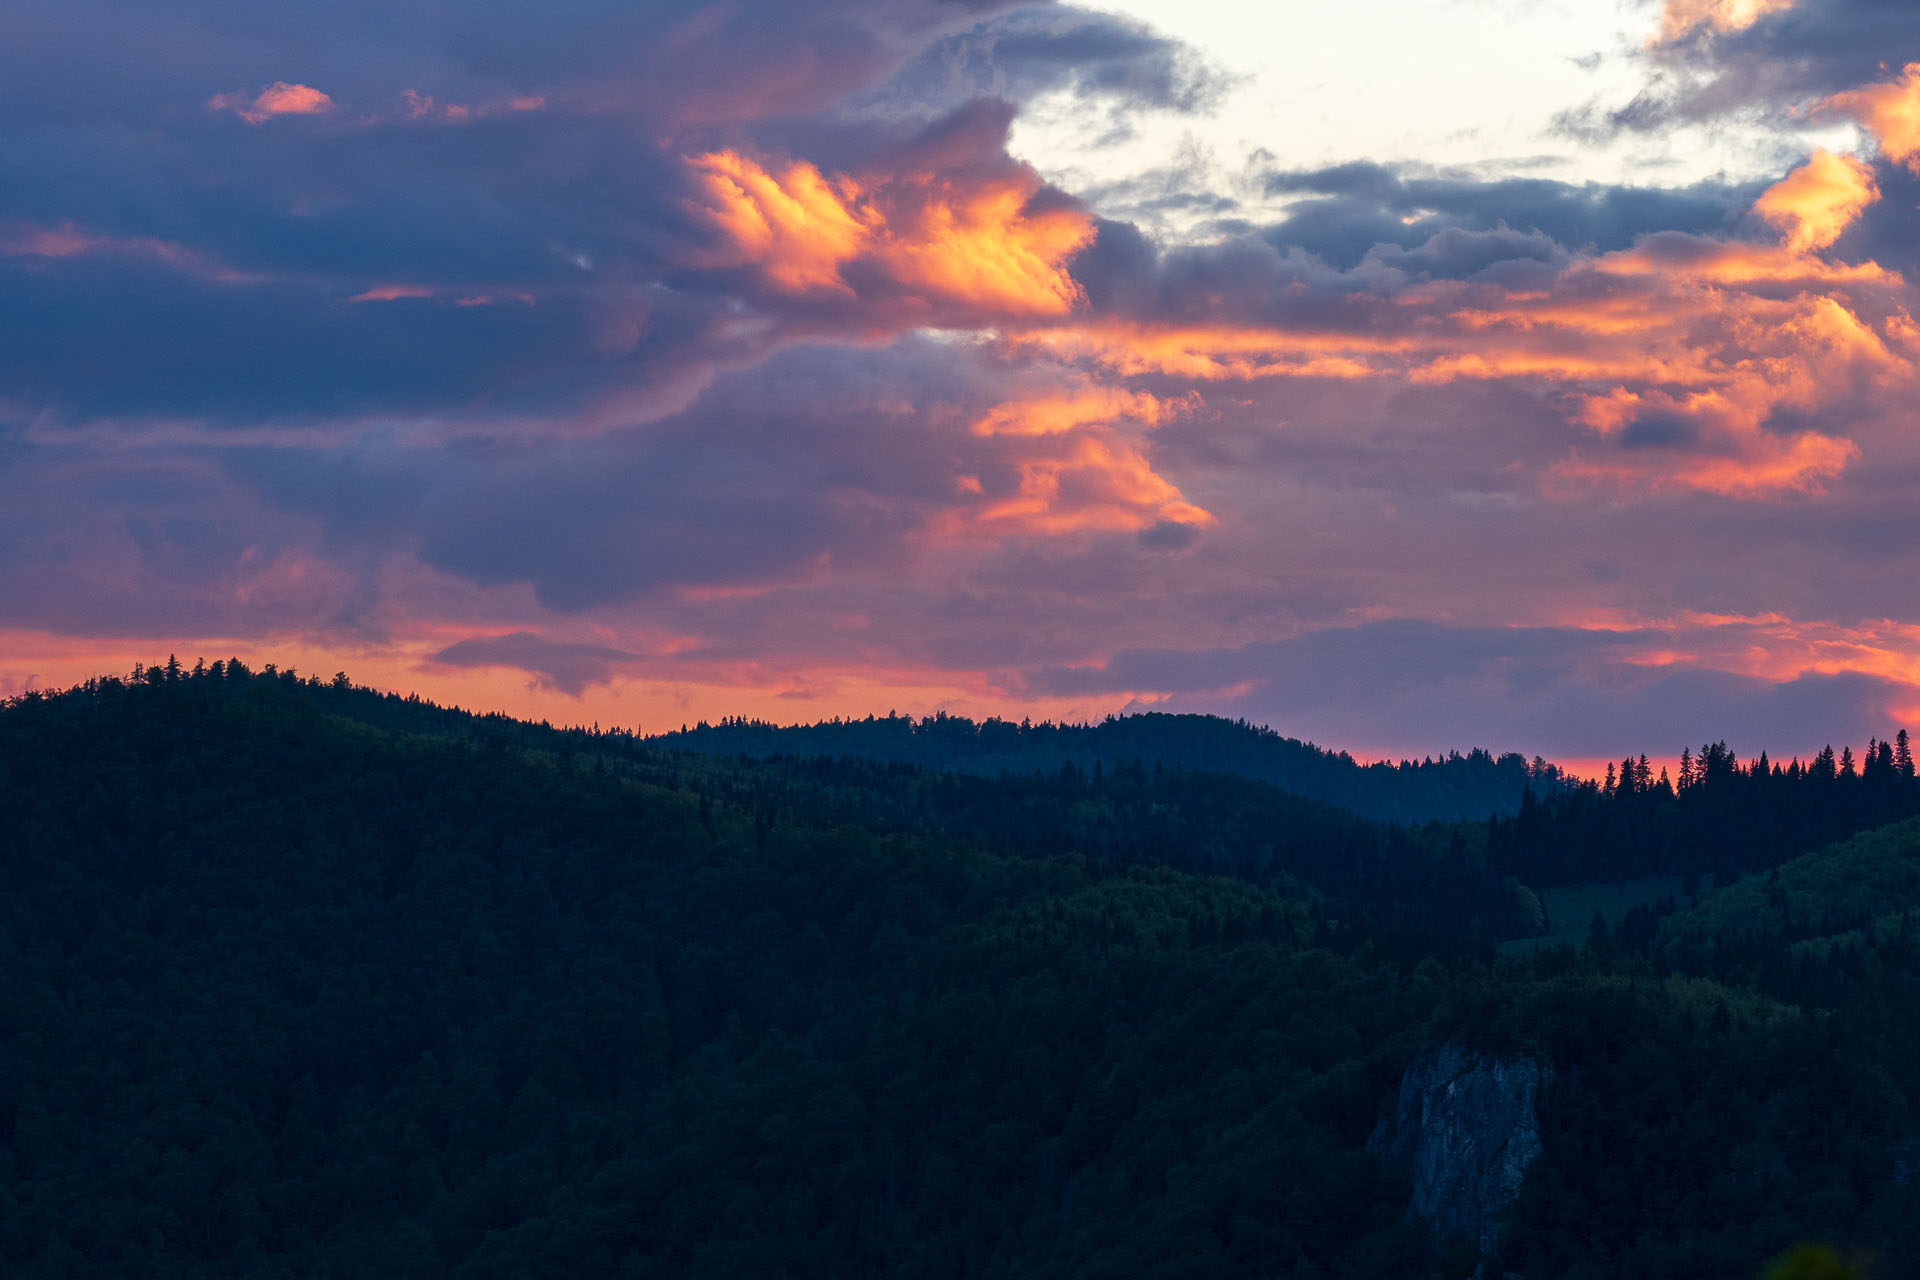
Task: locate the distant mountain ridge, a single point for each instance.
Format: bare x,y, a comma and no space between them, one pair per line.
1456,787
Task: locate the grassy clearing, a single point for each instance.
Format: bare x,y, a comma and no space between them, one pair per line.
1570,910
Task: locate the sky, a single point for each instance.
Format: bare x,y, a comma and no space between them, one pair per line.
1407,375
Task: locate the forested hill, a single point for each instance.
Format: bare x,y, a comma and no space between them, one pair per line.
301,980
1722,817
1471,786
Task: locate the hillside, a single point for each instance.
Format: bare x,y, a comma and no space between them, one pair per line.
1456,787
302,980
1855,903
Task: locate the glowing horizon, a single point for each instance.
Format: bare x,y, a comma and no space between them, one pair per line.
1538,382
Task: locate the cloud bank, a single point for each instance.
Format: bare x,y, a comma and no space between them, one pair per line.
679,360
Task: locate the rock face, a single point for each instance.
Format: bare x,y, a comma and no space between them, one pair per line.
1466,1129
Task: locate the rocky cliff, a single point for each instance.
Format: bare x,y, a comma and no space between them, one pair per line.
1466,1129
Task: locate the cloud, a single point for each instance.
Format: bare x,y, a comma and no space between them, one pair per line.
1114,61
563,666
393,293
928,238
143,541
1732,339
1344,212
1585,692
795,225
277,99
657,350
1891,110
1076,408
1683,18
1747,60
1817,202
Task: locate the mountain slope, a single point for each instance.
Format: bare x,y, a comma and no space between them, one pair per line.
287,993
1456,787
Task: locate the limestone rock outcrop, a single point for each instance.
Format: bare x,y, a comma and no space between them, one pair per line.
1466,1128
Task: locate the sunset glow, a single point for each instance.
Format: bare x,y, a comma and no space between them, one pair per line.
1891,112
975,245
831,358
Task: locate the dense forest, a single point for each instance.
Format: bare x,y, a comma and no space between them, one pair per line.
1454,787
300,979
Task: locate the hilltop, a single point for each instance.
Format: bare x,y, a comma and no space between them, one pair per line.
1456,786
305,980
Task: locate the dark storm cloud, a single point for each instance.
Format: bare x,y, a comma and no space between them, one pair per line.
1356,234
1243,279
1039,49
1811,50
568,668
486,214
819,458
667,61
93,337
1344,212
1166,535
1885,230
537,280
591,525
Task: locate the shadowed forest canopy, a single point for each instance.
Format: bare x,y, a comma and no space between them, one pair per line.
305,980
1454,787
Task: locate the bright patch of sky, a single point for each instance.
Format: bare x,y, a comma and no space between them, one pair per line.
1473,84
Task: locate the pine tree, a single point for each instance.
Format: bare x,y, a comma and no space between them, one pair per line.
1823,767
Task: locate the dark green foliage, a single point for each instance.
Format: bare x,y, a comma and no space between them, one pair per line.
287,994
1470,786
1725,818
300,980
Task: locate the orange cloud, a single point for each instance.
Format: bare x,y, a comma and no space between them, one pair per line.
1069,460
1218,352
798,226
1891,112
70,241
984,246
1803,463
1817,202
1779,648
1091,483
979,246
1736,263
392,293
1766,466
1057,414
1706,345
1708,341
1681,18
277,99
